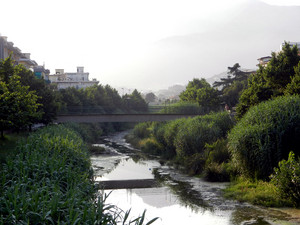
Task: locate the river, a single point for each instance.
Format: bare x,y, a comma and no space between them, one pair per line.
176,198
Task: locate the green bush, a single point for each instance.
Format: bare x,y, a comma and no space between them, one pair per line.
216,172
88,132
151,146
287,179
265,135
141,130
194,164
217,152
158,130
194,134
169,135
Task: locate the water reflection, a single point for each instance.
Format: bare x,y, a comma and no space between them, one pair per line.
179,199
162,203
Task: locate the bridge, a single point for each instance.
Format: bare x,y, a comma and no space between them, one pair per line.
97,118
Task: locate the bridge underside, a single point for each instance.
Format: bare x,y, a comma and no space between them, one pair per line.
93,118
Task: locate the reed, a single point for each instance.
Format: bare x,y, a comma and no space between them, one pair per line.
50,181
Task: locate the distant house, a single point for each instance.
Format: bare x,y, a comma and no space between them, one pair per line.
7,48
41,72
78,80
291,45
263,61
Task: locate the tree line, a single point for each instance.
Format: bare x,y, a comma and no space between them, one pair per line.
243,89
26,100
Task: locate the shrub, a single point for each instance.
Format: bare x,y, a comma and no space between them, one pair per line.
90,132
194,164
216,172
141,130
170,131
265,135
151,146
193,135
217,152
287,179
158,130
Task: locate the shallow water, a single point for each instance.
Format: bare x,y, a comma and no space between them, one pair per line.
178,198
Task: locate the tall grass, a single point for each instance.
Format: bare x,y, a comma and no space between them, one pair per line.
50,181
184,140
266,135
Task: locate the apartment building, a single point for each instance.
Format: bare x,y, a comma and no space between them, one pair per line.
79,79
7,48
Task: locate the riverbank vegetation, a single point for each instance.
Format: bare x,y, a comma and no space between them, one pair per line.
50,181
257,148
196,144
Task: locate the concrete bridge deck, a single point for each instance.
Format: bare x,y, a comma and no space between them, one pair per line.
95,118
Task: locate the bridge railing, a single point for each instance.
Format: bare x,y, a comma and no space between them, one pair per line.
157,109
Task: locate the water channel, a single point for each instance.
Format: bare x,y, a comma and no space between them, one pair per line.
176,198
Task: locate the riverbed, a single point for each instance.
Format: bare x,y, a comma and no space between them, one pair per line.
176,198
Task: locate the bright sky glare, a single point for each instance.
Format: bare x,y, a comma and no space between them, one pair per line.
111,39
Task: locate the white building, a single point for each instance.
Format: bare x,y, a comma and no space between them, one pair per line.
78,80
291,44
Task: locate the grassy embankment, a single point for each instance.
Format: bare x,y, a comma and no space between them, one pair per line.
49,180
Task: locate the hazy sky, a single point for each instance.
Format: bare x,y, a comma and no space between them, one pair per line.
121,42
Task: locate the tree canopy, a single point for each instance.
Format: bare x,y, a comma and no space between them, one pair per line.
279,77
201,92
18,105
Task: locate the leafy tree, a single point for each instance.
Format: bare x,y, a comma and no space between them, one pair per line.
277,78
135,102
6,69
71,99
201,92
231,94
18,105
208,97
150,97
190,94
48,99
234,74
294,86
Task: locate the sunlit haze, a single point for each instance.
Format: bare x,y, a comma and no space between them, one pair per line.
142,44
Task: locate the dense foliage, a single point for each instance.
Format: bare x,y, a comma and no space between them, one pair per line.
185,140
18,105
287,179
266,135
280,76
232,85
201,92
48,103
27,100
100,99
50,182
